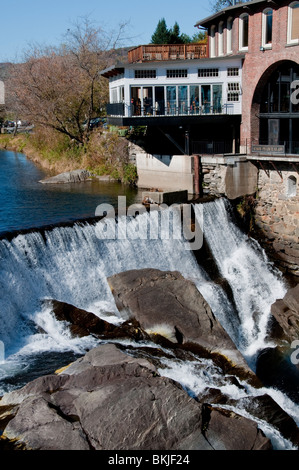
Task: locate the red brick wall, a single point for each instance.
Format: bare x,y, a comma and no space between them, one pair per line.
257,63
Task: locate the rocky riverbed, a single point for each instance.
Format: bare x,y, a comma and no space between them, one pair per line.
117,397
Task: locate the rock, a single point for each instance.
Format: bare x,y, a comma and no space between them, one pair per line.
83,323
275,369
109,400
221,427
285,322
75,176
166,304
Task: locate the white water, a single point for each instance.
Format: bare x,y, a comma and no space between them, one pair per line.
255,284
72,264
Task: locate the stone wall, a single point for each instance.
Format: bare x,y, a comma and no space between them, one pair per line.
277,214
231,176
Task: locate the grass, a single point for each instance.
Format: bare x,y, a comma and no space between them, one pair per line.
105,154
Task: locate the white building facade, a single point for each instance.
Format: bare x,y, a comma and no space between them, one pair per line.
176,88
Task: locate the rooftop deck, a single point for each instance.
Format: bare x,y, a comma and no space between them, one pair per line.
156,52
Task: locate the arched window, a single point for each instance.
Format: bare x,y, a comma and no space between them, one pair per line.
229,27
293,23
267,26
212,41
220,38
243,32
291,186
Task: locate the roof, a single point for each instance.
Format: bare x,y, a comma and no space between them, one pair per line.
229,9
112,71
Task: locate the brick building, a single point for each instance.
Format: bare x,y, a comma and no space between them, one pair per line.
267,33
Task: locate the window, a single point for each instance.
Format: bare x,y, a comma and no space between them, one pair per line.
145,74
229,28
232,72
243,31
293,23
114,95
177,73
220,38
212,41
212,72
233,91
267,25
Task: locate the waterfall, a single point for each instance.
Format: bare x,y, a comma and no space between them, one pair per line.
254,282
71,264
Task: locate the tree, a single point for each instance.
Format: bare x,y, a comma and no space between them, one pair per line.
217,5
174,34
60,88
161,34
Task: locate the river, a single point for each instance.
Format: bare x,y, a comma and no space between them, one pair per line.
26,203
70,262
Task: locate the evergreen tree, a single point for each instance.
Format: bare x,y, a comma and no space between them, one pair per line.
174,34
161,34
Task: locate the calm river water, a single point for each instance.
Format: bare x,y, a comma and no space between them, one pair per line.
25,203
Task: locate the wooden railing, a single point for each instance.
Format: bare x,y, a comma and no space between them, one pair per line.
153,52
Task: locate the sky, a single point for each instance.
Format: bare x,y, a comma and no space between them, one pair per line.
24,23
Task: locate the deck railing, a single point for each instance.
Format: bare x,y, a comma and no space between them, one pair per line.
153,52
167,109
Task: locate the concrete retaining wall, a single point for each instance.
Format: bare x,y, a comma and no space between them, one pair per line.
165,172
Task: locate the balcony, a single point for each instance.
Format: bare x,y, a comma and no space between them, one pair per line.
169,109
157,52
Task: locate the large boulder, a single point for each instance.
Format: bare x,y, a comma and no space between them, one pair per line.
109,400
285,320
166,304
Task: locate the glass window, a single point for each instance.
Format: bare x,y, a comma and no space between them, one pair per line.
217,98
220,38
212,41
243,32
267,27
147,101
293,23
232,72
212,72
177,73
136,101
159,100
194,99
206,98
183,99
233,91
145,73
229,28
171,99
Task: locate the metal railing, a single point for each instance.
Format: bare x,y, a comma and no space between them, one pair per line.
167,109
212,147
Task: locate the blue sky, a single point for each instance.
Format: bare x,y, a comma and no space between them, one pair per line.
27,22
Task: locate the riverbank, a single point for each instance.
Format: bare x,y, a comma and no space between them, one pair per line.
106,154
